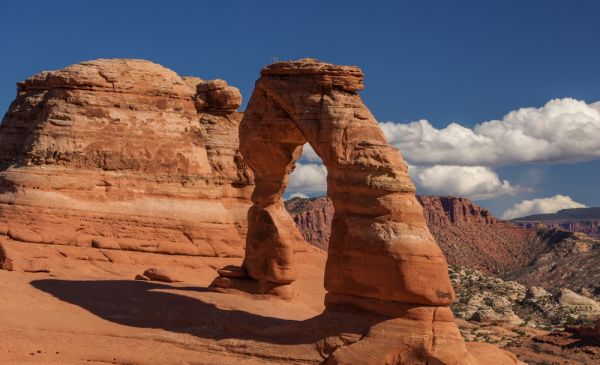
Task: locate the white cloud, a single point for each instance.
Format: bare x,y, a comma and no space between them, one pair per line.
541,206
298,195
475,182
308,179
309,154
563,130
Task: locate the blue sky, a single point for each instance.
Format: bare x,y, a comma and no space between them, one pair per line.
461,61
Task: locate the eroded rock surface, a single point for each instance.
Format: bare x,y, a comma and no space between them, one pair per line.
122,154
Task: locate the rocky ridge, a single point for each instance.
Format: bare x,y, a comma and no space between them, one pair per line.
584,220
564,260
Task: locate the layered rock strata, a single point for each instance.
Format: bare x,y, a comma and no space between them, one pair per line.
381,258
124,155
313,217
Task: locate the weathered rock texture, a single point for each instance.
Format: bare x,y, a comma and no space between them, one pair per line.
124,155
381,256
313,217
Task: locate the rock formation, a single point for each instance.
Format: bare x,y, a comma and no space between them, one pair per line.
447,210
122,154
381,257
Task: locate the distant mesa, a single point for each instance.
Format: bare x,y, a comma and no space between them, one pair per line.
585,220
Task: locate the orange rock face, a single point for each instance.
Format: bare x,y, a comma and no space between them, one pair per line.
382,258
124,155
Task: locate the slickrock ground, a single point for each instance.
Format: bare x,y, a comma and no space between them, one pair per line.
120,155
82,316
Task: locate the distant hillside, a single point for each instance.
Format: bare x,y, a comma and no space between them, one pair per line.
584,220
563,214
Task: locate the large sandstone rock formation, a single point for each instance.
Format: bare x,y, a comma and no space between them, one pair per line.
381,257
122,154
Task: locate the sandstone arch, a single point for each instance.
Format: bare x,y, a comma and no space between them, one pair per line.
380,246
382,257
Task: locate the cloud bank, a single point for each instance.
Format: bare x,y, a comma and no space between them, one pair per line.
308,179
563,130
541,206
476,182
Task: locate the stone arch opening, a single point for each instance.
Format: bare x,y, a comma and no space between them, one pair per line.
309,177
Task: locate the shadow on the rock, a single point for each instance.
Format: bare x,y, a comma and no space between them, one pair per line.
145,305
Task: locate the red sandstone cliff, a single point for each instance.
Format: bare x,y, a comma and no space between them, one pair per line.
313,217
446,210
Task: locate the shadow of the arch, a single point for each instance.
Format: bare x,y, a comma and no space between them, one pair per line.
144,305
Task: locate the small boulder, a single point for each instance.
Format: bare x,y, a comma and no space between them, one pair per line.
159,275
570,298
141,277
536,292
232,271
222,282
